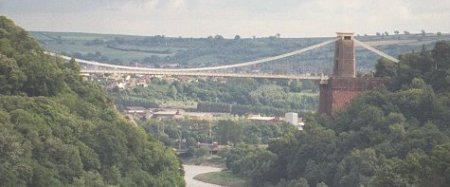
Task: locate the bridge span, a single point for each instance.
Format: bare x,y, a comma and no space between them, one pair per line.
219,67
209,74
207,71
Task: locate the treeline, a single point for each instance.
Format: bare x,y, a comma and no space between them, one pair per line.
56,130
133,101
214,107
224,132
395,136
238,96
97,56
139,50
245,109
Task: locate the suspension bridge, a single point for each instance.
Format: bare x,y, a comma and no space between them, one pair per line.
213,70
336,90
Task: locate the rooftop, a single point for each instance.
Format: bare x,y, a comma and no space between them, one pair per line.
135,108
345,33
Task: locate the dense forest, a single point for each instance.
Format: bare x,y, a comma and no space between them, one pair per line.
57,130
397,135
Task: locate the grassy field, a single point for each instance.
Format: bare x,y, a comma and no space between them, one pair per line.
71,43
223,178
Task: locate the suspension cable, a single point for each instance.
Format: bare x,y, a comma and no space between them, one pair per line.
389,57
203,68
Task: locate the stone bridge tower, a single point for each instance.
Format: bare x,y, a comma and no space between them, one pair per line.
344,56
342,86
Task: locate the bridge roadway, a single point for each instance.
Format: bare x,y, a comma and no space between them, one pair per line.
207,74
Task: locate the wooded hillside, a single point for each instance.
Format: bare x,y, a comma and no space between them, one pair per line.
57,130
398,135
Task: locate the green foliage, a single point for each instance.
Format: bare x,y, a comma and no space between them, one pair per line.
397,136
249,162
223,178
56,130
161,51
236,96
222,131
229,131
385,68
255,165
301,182
24,67
11,77
441,55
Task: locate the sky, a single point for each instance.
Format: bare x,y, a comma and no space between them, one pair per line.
247,18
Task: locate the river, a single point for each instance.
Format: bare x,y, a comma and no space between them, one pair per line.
191,171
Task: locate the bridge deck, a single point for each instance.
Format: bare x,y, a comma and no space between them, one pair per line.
208,74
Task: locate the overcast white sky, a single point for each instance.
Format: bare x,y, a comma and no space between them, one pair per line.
201,18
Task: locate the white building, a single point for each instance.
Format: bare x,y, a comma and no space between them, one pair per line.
291,118
261,118
300,126
135,110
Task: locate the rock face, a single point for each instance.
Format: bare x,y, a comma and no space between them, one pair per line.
337,92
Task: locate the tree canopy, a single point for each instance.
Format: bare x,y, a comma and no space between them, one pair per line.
398,135
57,130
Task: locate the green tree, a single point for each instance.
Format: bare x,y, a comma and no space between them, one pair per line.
229,131
173,92
385,68
395,136
441,55
73,65
11,77
56,130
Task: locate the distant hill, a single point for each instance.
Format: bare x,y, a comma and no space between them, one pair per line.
57,130
161,51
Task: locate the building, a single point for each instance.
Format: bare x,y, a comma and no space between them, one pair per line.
300,126
291,118
262,118
139,112
165,115
135,110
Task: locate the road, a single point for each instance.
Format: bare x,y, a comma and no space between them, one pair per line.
191,171
207,74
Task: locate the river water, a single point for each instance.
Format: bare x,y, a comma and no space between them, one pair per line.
191,171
